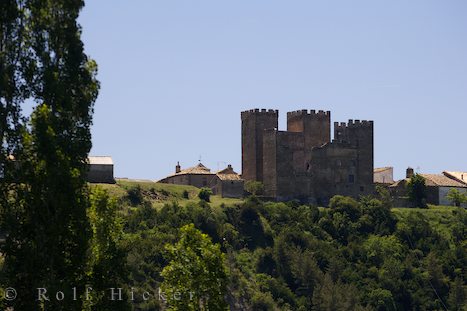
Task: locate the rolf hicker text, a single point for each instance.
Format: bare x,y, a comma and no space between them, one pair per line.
114,294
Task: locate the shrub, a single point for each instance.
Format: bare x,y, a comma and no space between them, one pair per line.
456,197
416,190
135,195
205,194
254,187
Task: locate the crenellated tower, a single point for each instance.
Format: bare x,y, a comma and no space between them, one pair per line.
315,126
359,134
254,123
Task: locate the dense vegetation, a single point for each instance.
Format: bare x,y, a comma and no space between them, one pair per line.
287,256
44,198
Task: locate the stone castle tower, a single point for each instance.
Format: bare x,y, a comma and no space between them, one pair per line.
303,162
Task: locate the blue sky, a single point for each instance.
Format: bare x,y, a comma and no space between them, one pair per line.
175,76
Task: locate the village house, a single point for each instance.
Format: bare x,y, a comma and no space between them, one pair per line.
226,183
459,176
383,176
100,170
437,187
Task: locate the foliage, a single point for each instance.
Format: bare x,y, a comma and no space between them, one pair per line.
355,255
107,264
135,195
205,194
44,196
254,187
195,277
416,190
335,296
456,197
384,196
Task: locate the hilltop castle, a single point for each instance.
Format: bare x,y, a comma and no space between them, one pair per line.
303,162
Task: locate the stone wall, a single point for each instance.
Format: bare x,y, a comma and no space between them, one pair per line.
231,188
360,135
254,122
197,180
334,171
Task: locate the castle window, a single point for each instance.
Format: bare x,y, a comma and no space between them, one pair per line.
339,163
353,163
351,179
362,188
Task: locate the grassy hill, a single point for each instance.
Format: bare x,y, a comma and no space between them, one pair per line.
159,194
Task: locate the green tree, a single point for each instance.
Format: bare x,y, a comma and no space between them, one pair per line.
378,249
335,296
107,262
458,295
416,190
384,196
254,187
205,194
456,197
13,90
44,212
195,278
381,300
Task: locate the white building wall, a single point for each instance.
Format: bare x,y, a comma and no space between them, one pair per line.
443,192
384,177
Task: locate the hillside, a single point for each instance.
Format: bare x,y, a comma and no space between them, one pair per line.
286,256
159,194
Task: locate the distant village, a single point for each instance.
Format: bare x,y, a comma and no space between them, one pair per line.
302,163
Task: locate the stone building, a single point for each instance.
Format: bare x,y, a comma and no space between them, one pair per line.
383,176
303,162
437,188
226,183
100,170
199,176
459,176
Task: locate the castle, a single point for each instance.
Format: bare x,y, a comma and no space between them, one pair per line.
303,162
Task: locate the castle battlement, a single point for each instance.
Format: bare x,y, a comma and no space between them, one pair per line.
257,110
353,124
305,112
269,112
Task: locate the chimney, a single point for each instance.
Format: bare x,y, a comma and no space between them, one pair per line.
229,166
177,168
409,172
